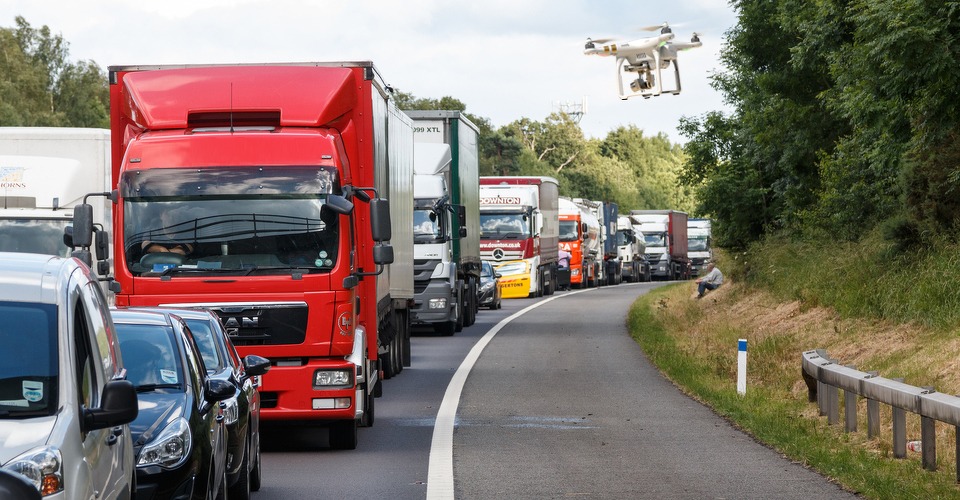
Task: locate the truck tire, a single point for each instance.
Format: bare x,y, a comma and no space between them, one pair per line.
406,359
343,435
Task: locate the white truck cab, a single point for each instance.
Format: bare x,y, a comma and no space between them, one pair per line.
64,403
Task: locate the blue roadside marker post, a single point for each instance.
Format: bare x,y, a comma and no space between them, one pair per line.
742,367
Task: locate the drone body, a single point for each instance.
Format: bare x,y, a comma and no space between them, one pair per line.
645,57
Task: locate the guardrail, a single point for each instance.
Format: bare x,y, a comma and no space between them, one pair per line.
825,378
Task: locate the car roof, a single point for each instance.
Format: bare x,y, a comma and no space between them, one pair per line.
184,313
27,277
142,317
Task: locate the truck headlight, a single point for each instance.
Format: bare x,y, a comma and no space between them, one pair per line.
170,448
42,467
437,303
333,378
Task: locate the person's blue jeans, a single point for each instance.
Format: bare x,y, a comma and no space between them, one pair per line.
704,286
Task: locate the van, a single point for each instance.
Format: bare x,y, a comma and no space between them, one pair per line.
64,400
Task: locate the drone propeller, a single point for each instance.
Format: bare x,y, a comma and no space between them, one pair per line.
601,40
654,27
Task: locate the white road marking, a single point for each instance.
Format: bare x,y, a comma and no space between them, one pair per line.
440,473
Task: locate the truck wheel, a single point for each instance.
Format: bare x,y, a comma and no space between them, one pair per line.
343,435
406,359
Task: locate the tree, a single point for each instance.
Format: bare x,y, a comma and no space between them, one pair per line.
39,86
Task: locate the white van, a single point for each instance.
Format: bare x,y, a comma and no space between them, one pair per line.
64,403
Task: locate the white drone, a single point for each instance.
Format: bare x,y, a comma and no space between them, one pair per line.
646,57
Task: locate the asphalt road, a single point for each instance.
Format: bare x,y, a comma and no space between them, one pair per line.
560,403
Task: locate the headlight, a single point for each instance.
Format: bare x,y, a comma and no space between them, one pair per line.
437,304
486,286
170,448
43,467
333,378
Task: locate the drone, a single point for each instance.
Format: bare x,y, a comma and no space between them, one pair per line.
646,57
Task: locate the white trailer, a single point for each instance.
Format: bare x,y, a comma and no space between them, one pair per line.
44,173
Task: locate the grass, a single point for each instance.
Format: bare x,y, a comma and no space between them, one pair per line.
894,316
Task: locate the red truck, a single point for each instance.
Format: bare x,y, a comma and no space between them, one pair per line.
264,188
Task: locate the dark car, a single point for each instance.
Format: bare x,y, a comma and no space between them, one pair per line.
242,412
489,292
180,438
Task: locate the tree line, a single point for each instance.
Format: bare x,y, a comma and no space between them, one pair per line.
844,124
40,86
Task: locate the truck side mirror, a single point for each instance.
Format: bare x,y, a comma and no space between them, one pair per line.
380,219
102,245
382,254
83,225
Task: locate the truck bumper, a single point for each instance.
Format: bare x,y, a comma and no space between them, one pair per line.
288,393
440,296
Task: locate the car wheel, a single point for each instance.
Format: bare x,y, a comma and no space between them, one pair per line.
343,435
241,489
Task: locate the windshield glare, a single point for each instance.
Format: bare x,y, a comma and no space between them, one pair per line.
697,244
654,239
568,230
425,227
29,372
34,236
220,227
149,354
504,226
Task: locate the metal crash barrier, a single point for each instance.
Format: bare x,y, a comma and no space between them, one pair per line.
825,378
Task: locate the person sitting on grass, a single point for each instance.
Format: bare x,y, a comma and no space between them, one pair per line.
712,280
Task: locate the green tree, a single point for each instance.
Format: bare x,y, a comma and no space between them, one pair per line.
39,86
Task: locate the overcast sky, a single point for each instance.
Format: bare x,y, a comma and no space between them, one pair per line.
505,59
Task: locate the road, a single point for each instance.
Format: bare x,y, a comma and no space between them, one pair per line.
560,403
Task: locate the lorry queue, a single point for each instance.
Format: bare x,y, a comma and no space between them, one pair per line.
317,225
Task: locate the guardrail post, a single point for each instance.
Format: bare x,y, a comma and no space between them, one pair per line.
873,414
928,440
956,439
833,404
899,430
850,409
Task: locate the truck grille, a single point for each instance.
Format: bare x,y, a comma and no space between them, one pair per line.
422,270
273,324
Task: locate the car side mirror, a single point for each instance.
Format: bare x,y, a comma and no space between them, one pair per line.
118,406
216,390
255,365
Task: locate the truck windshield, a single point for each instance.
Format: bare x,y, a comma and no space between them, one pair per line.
568,230
230,221
34,236
623,238
29,379
425,226
504,226
697,244
655,239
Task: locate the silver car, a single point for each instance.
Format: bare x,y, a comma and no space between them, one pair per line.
64,403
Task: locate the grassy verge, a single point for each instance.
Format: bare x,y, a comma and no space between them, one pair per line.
695,344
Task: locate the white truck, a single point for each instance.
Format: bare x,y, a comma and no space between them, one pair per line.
631,251
699,244
44,173
446,220
665,234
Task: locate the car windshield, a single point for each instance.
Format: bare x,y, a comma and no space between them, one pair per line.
486,270
203,335
149,355
504,226
230,221
29,366
34,236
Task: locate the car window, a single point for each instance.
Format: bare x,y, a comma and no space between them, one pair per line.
149,354
101,326
29,363
206,343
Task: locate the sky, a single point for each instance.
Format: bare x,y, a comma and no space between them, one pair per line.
504,59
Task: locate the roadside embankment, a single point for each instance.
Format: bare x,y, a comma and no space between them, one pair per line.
694,343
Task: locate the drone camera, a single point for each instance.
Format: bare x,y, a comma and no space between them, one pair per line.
641,84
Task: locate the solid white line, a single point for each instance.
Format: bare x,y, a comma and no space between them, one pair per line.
440,474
